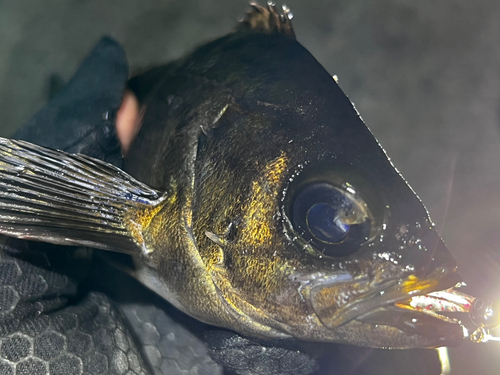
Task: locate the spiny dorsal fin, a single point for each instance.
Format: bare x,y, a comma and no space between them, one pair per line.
268,20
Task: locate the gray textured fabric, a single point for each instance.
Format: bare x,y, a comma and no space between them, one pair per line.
41,334
248,357
168,347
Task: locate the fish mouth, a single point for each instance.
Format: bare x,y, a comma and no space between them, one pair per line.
417,307
433,328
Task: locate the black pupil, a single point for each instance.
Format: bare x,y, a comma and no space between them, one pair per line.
329,219
324,223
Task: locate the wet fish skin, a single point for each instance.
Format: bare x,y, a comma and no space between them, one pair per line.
230,136
283,111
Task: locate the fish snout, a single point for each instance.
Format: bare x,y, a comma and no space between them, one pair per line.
429,254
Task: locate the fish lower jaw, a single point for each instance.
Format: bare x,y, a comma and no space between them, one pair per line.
419,307
434,331
432,316
451,306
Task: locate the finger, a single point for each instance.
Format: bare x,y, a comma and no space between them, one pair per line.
127,120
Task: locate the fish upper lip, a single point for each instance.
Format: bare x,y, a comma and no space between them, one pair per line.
378,305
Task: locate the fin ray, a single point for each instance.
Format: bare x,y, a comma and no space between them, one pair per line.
68,199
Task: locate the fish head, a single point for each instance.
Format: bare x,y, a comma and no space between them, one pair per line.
304,223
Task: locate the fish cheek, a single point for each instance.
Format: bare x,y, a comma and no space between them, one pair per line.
239,211
257,291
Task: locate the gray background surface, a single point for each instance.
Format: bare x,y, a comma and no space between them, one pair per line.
424,75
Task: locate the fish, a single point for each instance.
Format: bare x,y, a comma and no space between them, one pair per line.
253,198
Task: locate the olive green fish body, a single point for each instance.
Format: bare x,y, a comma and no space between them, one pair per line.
265,204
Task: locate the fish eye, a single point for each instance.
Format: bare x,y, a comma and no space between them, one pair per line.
333,220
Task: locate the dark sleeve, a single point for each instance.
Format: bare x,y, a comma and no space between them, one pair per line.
80,118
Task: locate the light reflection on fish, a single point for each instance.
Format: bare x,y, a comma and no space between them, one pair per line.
265,204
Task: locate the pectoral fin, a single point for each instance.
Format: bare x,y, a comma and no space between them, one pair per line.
69,199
